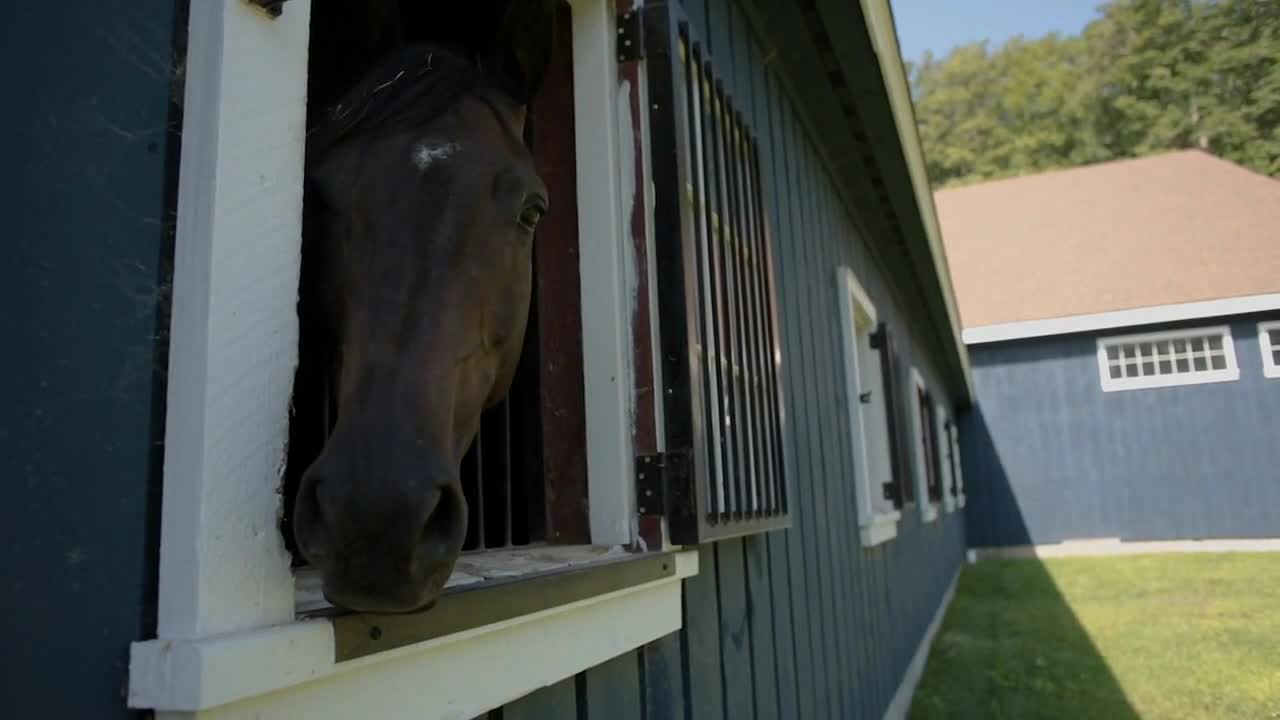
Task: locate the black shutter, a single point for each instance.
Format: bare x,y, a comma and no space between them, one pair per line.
929,436
899,489
717,313
951,459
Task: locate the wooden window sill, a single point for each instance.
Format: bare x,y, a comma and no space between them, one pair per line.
487,642
880,529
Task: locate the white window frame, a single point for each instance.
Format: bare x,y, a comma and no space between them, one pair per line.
928,507
228,630
1269,367
877,518
1228,374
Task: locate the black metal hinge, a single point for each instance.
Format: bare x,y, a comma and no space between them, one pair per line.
631,35
273,7
651,484
876,340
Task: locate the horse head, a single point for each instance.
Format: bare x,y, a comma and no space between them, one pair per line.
422,201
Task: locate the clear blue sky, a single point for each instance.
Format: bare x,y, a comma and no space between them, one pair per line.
939,25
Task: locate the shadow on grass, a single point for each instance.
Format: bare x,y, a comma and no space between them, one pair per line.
1011,647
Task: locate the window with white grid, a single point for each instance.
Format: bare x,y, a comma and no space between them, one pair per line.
1269,341
1179,357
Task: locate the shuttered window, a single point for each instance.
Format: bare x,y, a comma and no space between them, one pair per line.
929,445
868,416
721,354
898,488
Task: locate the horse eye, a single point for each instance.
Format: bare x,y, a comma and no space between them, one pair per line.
530,216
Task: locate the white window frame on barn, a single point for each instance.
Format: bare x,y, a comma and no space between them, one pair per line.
1166,358
928,507
1269,349
229,630
868,417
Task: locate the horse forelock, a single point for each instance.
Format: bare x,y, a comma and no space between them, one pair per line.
407,89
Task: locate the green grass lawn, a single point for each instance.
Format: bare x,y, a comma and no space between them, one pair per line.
1182,637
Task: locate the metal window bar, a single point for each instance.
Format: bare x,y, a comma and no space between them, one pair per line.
494,485
716,464
766,288
717,312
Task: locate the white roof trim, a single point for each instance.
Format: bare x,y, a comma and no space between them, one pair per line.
1121,318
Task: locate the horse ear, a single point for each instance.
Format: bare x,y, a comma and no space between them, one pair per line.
522,47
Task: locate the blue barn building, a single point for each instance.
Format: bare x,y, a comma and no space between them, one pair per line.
1123,321
726,484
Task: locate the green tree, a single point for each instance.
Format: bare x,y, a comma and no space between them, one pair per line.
1147,76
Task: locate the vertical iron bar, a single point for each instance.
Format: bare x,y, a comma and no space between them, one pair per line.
480,487
777,417
705,324
734,235
733,414
722,419
748,312
762,349
506,468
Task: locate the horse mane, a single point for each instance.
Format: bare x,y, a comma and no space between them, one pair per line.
407,88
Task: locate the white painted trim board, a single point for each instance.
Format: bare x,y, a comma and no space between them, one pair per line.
1270,368
234,330
606,268
1155,314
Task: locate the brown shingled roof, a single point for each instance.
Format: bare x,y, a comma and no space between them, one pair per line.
1170,228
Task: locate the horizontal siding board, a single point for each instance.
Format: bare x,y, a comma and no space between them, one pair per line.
789,276
613,689
845,513
835,440
554,702
663,679
814,526
784,624
703,664
760,610
86,196
1195,461
735,632
760,615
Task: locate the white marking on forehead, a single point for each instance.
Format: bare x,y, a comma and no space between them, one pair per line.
424,155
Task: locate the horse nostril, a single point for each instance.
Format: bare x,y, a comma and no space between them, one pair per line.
446,525
309,529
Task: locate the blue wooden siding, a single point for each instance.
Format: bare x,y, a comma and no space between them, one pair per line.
83,286
802,623
1048,456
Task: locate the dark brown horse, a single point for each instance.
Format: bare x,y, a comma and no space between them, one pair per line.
422,201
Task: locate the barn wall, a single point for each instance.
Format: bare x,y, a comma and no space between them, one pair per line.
1049,456
87,244
801,623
